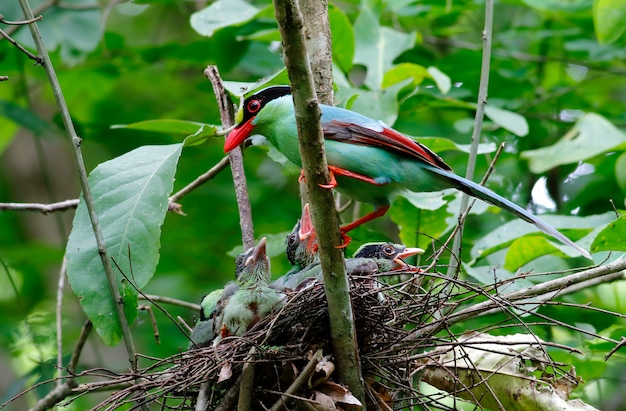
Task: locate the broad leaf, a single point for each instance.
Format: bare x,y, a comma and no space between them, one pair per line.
377,47
504,235
379,104
220,14
75,30
526,249
571,6
441,78
404,71
591,135
130,196
612,237
342,33
418,226
609,17
168,126
508,120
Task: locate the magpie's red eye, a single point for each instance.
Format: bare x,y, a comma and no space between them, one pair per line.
253,106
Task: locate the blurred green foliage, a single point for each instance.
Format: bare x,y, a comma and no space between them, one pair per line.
557,98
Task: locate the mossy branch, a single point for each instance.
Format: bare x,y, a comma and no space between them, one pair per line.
323,212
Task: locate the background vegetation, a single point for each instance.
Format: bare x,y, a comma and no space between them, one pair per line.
557,83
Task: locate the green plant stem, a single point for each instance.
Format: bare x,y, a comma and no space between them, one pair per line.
82,173
323,211
483,89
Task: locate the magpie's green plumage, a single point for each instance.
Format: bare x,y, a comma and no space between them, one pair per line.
372,163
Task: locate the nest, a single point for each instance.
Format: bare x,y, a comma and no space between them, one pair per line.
401,331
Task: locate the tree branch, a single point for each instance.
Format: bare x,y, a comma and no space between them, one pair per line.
323,211
483,89
496,301
235,157
82,173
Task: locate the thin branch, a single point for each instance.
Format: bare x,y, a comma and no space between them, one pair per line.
59,319
42,208
169,300
20,22
244,402
323,211
30,55
299,382
209,175
483,89
236,159
66,389
80,165
497,301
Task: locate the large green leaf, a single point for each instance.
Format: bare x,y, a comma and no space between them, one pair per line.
74,30
377,47
505,234
379,104
609,19
343,34
559,5
418,226
220,14
130,196
508,120
591,135
168,126
612,237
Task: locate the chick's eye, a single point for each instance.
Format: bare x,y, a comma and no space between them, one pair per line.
291,240
388,250
253,106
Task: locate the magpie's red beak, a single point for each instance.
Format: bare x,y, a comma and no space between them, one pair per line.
238,135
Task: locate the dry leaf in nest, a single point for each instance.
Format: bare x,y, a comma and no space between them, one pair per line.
323,371
340,395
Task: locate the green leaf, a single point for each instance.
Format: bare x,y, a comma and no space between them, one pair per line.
620,171
582,142
342,33
239,89
275,245
26,118
571,6
377,47
609,17
525,249
200,136
612,237
75,32
168,126
379,104
505,234
130,195
443,81
404,71
220,14
508,120
439,144
415,222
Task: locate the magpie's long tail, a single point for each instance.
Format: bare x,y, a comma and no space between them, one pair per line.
483,193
